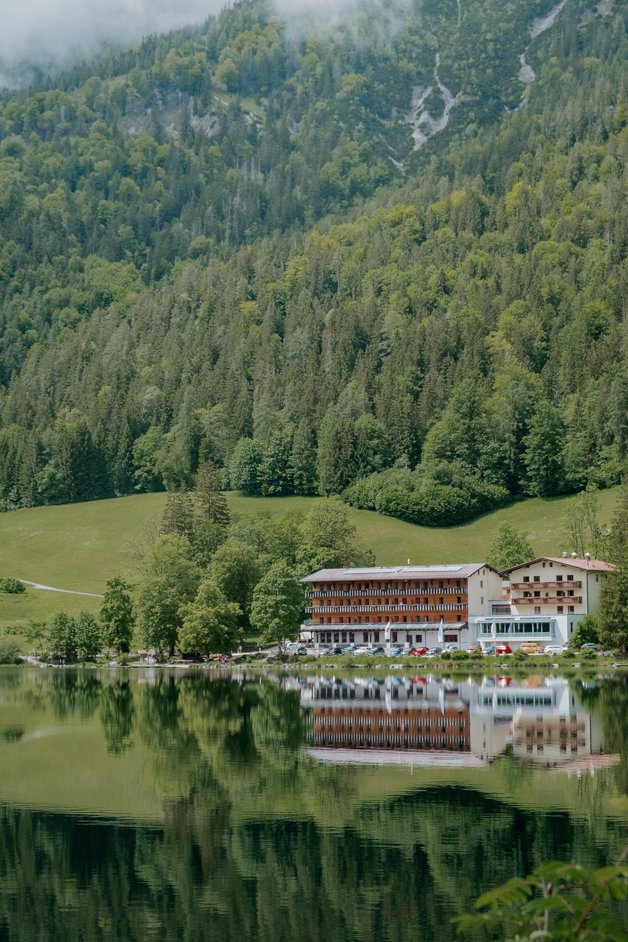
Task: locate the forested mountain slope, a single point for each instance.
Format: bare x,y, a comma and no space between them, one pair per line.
168,295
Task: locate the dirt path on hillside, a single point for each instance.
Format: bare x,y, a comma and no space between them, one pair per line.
52,588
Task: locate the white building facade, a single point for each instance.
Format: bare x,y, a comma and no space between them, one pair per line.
543,600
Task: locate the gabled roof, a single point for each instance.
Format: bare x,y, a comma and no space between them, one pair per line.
589,565
382,573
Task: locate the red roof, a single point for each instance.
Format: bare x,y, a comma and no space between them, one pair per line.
590,565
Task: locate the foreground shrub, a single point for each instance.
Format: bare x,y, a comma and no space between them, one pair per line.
559,902
13,586
9,652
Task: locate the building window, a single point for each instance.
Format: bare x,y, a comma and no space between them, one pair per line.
458,599
526,578
537,609
570,608
537,578
560,609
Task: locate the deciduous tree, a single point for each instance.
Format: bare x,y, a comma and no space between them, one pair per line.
116,615
277,604
169,581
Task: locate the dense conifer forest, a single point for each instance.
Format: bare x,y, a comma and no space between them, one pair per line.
382,260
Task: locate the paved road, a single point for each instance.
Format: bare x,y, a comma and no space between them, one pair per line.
52,588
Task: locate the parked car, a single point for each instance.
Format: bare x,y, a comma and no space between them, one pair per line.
420,650
503,648
554,649
394,652
474,649
348,649
437,650
451,646
363,649
589,646
488,649
530,647
377,649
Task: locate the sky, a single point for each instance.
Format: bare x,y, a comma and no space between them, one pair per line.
60,31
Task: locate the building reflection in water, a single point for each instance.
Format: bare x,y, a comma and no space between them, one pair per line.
429,721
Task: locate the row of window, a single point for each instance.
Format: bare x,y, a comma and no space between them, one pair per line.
426,586
436,607
389,722
440,742
418,600
538,578
527,628
425,619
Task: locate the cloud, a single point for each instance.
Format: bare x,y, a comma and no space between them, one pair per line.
56,32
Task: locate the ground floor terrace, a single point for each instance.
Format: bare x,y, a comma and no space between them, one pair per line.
388,635
513,629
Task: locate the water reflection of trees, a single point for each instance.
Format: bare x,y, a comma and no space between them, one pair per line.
335,866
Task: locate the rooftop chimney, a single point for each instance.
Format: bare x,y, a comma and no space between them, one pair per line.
587,556
574,555
565,555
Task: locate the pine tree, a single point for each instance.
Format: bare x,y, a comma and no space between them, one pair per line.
211,502
178,515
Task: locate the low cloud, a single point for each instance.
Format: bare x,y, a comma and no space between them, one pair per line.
55,33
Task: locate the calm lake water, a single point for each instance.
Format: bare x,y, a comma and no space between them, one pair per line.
149,804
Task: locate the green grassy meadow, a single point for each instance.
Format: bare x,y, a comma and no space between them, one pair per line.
80,546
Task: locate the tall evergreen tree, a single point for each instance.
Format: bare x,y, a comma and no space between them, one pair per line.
210,500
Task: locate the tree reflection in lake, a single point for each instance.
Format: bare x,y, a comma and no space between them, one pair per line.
252,836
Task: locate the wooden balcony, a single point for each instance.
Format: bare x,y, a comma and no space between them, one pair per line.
527,586
548,600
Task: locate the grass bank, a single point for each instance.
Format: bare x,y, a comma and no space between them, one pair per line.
80,546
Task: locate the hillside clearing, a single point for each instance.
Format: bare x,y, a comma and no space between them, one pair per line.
79,546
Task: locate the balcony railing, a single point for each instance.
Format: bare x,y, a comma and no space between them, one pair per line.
548,600
575,584
337,592
374,609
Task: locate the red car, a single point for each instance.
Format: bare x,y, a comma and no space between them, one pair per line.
420,651
503,649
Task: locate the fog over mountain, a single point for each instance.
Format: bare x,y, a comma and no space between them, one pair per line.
54,33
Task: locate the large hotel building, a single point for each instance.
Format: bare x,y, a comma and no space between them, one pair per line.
404,605
541,600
